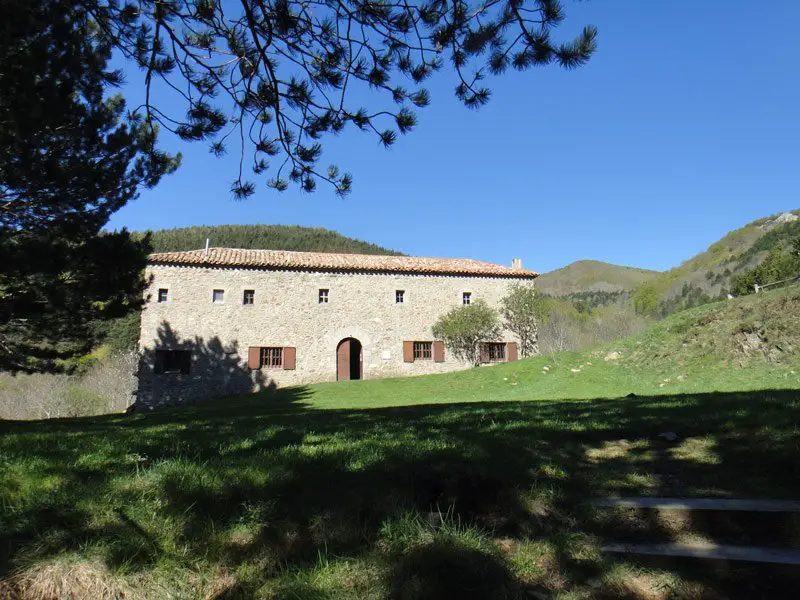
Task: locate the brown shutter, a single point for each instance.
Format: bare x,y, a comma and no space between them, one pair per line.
254,357
484,352
438,351
158,364
186,362
511,351
289,358
408,351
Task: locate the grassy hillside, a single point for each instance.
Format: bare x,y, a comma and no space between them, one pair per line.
470,485
709,274
272,237
592,276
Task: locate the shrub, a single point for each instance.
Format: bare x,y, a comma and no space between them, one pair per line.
464,327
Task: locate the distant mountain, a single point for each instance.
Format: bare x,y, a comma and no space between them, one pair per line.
592,276
270,237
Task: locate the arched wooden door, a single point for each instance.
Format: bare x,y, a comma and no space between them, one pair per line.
348,359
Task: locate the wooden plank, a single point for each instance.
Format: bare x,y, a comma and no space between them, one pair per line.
744,553
702,504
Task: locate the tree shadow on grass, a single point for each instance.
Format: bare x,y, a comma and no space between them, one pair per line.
267,480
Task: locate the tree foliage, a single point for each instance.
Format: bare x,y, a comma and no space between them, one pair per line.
272,237
69,158
294,71
780,264
464,327
519,310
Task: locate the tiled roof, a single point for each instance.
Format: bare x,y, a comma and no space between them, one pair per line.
321,261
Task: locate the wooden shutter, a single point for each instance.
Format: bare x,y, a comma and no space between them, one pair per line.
254,357
484,352
438,351
511,351
186,362
408,351
289,358
158,364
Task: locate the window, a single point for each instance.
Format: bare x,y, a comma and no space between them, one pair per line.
496,352
163,294
399,296
323,296
249,297
466,297
173,361
219,296
272,357
423,350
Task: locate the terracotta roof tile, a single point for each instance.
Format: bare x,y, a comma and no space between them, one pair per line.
321,261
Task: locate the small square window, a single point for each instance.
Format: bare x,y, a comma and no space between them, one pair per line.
272,357
423,350
399,296
163,294
323,296
249,297
219,295
466,298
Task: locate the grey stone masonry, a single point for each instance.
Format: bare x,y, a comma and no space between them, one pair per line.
202,310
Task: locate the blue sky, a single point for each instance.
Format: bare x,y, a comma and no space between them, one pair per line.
684,126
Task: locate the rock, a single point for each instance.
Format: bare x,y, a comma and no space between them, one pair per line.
546,368
575,370
613,355
670,436
661,385
681,378
514,383
786,218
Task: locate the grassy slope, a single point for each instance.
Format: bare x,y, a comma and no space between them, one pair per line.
301,493
592,275
273,237
697,350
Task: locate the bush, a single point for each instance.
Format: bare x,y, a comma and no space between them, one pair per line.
122,334
106,387
464,327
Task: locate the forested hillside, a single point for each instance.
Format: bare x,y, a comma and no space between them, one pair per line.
271,237
714,273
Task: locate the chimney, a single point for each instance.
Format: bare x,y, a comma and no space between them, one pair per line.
208,241
516,263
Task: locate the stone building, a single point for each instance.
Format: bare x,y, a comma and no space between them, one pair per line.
226,321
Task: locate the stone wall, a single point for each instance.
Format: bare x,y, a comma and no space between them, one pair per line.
287,312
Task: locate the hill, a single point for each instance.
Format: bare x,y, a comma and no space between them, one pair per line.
698,280
709,274
271,237
592,276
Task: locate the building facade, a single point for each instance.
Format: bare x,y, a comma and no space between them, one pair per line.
222,321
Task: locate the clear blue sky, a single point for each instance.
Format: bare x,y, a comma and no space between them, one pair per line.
684,126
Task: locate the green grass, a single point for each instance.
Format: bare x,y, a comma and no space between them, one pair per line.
470,485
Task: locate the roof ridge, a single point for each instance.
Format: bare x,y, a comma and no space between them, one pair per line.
336,261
